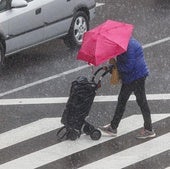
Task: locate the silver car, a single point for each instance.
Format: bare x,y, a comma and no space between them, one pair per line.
26,23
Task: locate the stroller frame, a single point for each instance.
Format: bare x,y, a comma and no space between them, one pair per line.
73,128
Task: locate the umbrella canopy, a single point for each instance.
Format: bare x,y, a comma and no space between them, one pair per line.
104,42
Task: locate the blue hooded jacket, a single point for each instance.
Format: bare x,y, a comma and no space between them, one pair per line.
131,64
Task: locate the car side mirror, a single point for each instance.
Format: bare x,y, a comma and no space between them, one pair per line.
18,3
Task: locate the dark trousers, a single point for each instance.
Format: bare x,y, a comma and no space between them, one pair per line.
138,87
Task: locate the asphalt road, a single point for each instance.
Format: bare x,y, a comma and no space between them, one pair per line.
46,71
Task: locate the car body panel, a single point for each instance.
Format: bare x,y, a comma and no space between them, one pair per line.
57,20
39,21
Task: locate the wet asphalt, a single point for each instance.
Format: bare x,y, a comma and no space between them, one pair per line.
151,20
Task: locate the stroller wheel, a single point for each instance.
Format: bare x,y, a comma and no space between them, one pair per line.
95,135
87,129
73,135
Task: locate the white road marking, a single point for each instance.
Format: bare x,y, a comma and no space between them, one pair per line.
99,4
43,80
66,148
58,100
156,42
133,155
28,131
68,72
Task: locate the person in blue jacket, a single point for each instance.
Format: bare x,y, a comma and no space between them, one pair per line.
133,71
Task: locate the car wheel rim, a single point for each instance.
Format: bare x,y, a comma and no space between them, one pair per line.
80,27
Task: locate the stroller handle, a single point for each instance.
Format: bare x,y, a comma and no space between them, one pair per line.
96,72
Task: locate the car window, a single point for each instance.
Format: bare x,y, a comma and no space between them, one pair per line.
3,5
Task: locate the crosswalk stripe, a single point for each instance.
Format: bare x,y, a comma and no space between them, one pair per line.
58,100
28,131
133,155
159,161
108,148
60,150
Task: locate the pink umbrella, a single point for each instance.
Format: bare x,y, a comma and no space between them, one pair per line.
104,42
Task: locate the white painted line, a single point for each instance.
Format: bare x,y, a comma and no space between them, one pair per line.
28,131
68,72
99,4
43,80
25,101
66,148
132,97
58,100
156,42
133,155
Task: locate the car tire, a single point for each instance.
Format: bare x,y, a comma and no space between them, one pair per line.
79,25
2,55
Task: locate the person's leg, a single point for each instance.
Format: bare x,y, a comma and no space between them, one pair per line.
139,91
124,95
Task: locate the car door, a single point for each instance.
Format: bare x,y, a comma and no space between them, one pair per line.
3,20
57,16
25,26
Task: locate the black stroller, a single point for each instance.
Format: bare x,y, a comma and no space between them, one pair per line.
81,97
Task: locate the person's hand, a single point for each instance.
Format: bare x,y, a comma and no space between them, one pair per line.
108,68
105,68
99,85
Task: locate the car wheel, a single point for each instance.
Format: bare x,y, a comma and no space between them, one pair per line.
2,55
79,25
